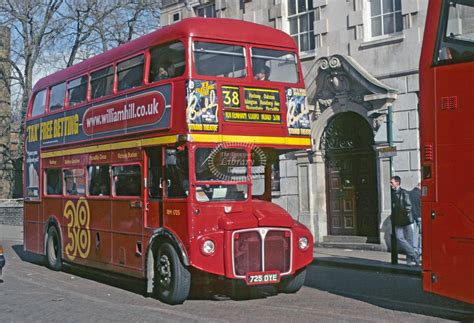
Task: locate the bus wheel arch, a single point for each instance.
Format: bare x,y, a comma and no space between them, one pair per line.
160,237
172,280
51,222
53,249
292,284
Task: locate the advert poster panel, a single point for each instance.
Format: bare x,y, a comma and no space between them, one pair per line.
298,121
266,100
32,160
202,106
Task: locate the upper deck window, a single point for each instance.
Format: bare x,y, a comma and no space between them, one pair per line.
130,72
274,65
57,96
77,90
102,82
222,60
167,61
39,104
456,41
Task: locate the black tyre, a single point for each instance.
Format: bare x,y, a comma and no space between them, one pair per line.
172,281
53,250
293,284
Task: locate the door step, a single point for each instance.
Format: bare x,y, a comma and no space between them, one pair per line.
344,239
349,242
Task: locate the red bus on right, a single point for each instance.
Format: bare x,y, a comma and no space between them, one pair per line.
447,149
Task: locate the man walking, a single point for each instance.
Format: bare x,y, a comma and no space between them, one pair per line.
402,219
415,198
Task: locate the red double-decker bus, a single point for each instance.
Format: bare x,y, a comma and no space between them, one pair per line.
447,146
155,159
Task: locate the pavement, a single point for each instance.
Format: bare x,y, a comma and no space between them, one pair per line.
11,232
345,258
379,261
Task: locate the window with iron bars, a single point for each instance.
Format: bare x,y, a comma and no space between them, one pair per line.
385,17
208,10
301,21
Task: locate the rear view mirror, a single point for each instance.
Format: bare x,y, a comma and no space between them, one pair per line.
170,157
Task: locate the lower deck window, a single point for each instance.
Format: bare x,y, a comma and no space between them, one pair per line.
54,183
75,181
126,180
99,180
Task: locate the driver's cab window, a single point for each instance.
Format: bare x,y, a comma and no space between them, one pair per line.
177,172
456,41
155,175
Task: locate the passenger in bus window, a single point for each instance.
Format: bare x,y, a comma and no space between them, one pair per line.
162,73
262,73
171,70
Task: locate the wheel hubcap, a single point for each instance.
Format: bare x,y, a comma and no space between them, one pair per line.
164,268
53,250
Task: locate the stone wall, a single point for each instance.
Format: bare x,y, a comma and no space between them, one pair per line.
11,212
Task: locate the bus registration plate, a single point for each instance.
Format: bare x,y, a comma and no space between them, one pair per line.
269,277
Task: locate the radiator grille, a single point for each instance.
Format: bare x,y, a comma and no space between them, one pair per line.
261,249
247,252
277,251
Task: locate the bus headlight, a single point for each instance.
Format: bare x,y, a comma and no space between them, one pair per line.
303,243
208,247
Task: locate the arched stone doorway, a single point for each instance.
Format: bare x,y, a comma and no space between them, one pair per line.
351,177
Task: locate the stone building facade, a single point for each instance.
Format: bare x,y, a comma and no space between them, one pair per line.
359,58
6,167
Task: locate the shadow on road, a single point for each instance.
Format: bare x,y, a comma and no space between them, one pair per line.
28,256
391,291
218,292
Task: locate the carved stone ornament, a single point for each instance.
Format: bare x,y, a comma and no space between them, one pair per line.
377,122
321,106
334,62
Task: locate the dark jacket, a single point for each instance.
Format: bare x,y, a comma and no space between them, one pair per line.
415,199
401,208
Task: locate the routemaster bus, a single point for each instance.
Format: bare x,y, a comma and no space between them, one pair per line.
447,149
156,159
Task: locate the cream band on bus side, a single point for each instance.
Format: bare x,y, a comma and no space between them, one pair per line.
78,232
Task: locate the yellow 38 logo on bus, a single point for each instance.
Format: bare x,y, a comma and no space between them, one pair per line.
78,229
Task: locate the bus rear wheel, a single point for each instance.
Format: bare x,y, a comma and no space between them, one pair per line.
53,250
172,281
294,283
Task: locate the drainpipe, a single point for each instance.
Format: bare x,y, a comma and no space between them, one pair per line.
394,246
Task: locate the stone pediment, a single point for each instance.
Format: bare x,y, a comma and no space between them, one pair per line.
340,78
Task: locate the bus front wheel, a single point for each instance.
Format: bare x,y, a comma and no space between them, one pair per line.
294,283
172,281
53,250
